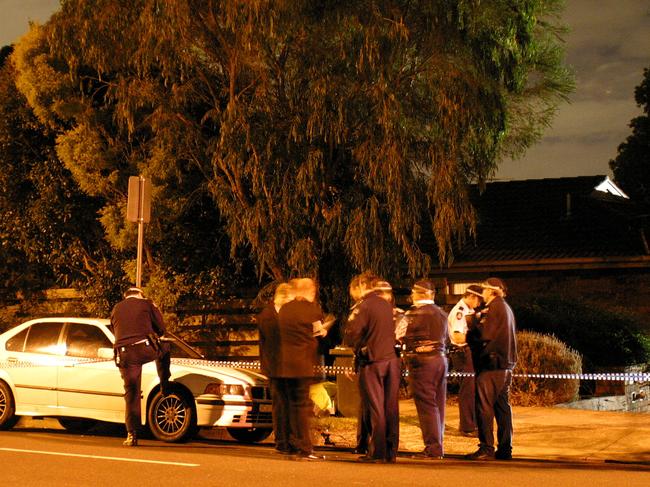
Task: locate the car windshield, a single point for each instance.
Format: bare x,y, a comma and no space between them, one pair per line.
179,348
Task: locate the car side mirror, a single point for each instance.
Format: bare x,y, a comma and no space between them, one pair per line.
105,353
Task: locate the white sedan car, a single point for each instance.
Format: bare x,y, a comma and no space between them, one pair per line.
63,368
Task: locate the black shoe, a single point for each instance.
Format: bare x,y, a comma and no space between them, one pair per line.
367,459
131,440
310,457
360,450
503,455
480,455
426,456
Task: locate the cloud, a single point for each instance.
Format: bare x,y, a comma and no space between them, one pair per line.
608,49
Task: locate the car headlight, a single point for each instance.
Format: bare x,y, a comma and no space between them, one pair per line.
224,389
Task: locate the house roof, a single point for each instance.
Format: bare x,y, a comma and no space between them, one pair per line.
582,221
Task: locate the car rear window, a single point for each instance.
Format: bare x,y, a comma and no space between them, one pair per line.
17,342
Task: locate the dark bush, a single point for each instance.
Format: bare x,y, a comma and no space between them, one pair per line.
544,354
604,338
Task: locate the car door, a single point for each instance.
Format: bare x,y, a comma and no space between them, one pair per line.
33,357
89,384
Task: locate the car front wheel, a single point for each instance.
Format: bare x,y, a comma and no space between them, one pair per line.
7,408
172,418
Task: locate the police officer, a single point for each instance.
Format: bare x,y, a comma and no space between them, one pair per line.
425,341
298,321
363,416
371,332
494,347
137,325
269,343
461,356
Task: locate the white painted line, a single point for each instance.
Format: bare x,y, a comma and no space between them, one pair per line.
99,457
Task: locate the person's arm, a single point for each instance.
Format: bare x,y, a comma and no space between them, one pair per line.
356,326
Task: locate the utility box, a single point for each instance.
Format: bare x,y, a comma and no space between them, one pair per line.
637,393
347,386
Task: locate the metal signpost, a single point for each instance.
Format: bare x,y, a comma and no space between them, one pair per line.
139,210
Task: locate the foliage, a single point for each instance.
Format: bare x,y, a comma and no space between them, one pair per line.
48,227
604,338
631,167
327,135
544,354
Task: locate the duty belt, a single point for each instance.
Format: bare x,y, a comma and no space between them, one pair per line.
144,341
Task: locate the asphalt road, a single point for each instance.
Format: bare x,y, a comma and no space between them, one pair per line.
52,457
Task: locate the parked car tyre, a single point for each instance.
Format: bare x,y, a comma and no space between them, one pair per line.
77,425
172,418
7,408
250,435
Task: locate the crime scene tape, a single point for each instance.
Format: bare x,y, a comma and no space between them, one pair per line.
628,377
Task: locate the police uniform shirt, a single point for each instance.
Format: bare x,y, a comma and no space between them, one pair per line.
134,318
497,331
426,324
458,323
371,325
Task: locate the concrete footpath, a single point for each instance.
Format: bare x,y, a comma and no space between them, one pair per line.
549,433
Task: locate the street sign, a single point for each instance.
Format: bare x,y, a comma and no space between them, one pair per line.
138,207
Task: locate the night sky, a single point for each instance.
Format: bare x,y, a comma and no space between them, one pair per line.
607,48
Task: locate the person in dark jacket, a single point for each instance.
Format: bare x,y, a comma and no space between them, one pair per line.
269,333
494,350
425,340
299,320
371,332
137,325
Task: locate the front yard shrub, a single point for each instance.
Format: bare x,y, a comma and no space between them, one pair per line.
544,354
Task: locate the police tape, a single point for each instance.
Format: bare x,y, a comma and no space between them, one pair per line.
333,370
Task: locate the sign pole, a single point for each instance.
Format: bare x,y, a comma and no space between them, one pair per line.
139,210
138,265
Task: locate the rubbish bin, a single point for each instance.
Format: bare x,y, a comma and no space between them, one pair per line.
347,388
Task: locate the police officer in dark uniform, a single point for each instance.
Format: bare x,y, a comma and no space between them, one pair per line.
371,332
425,341
137,325
494,349
461,356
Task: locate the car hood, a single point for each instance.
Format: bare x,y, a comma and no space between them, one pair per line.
181,366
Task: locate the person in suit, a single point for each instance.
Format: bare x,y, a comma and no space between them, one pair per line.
299,320
425,341
494,348
137,324
269,344
371,332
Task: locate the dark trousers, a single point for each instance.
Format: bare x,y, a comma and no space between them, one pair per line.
461,360
428,380
492,401
131,359
363,427
294,422
379,389
281,426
